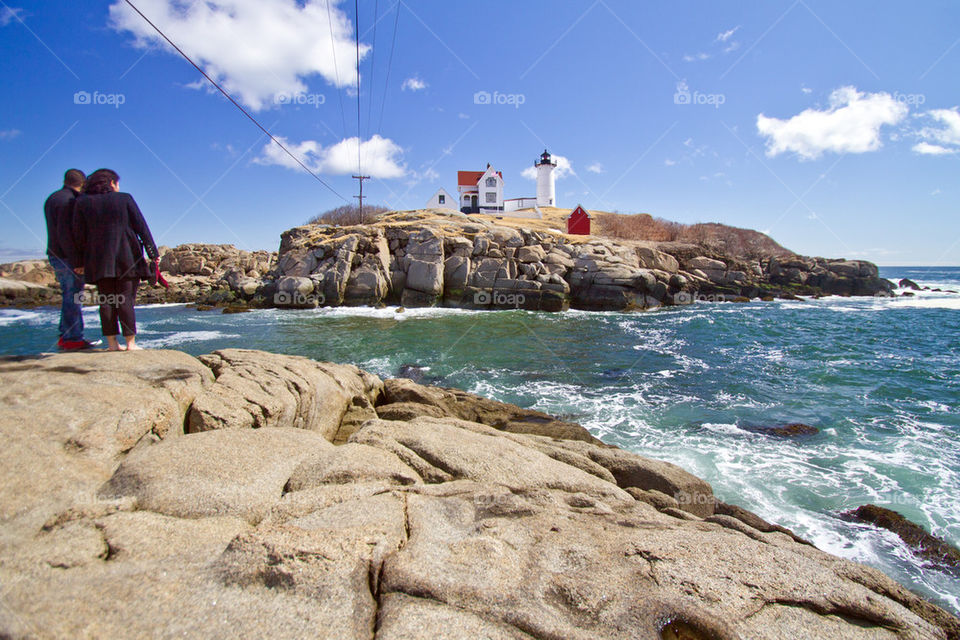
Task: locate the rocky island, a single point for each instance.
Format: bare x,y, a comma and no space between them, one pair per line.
440,258
247,494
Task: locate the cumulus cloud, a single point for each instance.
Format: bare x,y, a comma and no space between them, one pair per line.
413,84
942,137
851,124
283,42
564,169
381,156
596,167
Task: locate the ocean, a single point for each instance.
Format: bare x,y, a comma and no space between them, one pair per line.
879,377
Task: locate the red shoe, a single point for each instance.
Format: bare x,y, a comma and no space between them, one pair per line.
75,345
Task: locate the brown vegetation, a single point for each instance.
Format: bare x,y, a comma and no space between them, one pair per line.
719,238
349,214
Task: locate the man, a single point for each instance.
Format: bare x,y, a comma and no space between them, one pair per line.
61,251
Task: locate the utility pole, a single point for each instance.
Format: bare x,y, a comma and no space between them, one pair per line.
360,197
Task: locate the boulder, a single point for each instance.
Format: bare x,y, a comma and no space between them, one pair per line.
254,389
405,395
706,264
426,277
454,449
906,283
936,550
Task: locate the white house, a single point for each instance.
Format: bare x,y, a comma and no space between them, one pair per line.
482,192
442,200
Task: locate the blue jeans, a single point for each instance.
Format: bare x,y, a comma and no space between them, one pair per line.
71,316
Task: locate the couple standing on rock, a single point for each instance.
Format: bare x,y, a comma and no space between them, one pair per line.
97,234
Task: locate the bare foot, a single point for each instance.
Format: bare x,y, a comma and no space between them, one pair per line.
132,343
113,344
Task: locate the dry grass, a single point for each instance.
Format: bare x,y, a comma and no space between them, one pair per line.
349,215
641,226
718,238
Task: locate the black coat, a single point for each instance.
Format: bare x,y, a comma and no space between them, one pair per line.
111,237
58,211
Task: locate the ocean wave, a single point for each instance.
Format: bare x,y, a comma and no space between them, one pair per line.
183,337
27,317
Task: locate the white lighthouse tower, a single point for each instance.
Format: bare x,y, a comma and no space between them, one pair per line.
546,189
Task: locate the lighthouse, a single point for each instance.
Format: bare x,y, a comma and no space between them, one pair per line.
546,190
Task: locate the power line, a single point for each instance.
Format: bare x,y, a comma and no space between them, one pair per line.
336,69
356,4
373,61
235,103
386,84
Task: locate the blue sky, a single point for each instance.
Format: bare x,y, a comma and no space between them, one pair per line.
832,126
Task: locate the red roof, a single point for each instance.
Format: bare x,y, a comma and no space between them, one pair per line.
471,178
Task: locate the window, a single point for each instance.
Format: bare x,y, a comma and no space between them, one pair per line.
492,182
491,197
441,199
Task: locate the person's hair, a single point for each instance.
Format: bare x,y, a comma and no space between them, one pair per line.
74,178
99,181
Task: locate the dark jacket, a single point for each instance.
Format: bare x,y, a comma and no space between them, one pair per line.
58,210
112,235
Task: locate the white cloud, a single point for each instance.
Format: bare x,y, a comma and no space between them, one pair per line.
463,116
381,157
9,14
927,149
806,90
726,35
669,162
943,136
413,84
696,57
596,167
9,134
284,42
564,169
851,124
936,192
730,48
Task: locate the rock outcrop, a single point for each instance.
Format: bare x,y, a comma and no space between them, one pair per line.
932,549
417,259
197,273
156,494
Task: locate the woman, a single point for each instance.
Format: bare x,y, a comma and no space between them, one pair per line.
112,235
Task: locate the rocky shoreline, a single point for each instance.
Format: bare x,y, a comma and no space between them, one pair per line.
435,258
253,494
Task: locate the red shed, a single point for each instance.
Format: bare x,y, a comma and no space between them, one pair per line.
578,223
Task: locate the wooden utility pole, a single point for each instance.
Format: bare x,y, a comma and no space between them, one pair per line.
360,197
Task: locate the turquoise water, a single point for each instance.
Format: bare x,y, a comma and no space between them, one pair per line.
879,377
